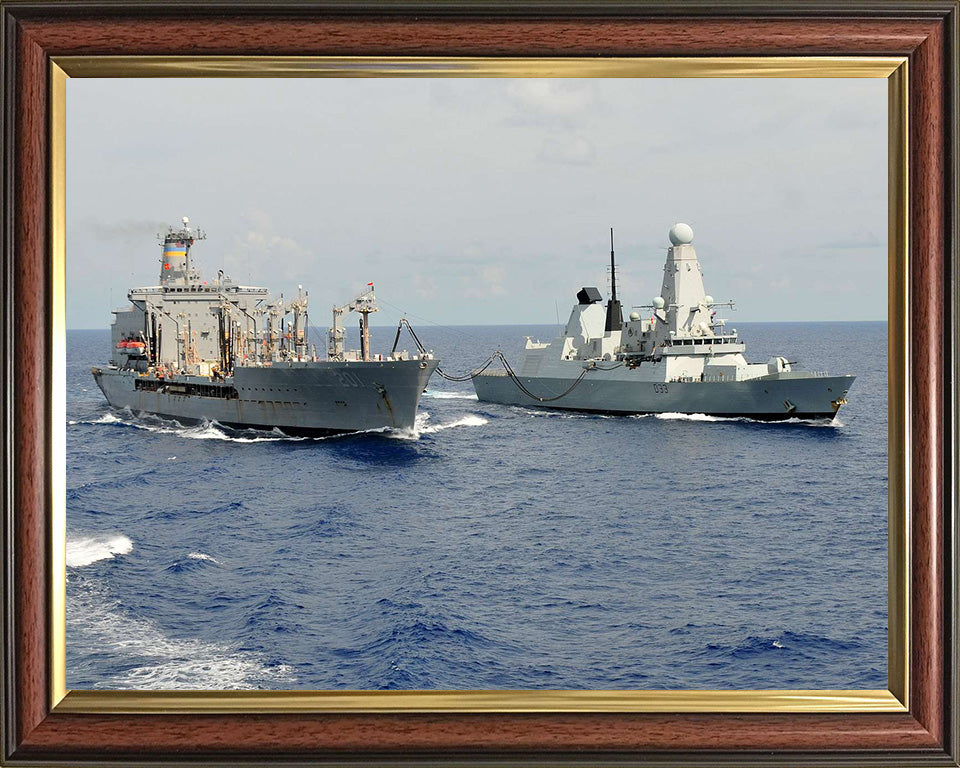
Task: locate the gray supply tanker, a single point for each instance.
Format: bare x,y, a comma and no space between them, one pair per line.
195,350
680,359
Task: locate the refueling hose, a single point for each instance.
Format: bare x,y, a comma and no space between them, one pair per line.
498,355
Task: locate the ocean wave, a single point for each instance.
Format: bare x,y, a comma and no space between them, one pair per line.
214,431
117,477
203,556
831,423
694,417
423,427
88,550
558,414
671,416
470,420
194,561
208,430
107,418
411,633
198,667
805,644
159,661
443,395
825,422
409,648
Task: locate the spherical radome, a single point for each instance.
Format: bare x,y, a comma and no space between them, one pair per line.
708,299
681,234
634,315
658,302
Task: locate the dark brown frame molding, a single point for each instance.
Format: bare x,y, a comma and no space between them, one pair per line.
926,32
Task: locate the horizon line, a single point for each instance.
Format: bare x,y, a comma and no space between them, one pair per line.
554,325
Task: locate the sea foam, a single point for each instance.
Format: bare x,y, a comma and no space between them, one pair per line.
825,422
81,552
209,430
423,426
162,661
470,420
203,556
450,395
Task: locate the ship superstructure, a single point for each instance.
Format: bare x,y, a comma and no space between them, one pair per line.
197,350
679,359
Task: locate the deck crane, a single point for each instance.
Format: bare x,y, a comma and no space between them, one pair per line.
364,304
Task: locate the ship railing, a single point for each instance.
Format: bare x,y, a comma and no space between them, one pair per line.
720,379
703,379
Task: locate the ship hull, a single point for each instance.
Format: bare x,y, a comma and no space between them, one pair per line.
794,395
297,398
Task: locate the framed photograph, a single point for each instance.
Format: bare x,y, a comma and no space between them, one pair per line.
56,712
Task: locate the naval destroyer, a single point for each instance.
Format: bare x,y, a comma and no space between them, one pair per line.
679,359
195,350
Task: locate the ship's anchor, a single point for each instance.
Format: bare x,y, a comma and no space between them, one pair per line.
386,401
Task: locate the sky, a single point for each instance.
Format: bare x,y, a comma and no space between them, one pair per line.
484,201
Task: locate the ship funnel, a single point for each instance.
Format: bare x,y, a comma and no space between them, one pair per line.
175,266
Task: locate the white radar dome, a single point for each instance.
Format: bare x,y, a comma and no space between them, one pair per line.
681,234
658,302
634,315
708,300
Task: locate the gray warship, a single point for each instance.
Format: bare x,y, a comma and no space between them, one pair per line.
194,350
680,359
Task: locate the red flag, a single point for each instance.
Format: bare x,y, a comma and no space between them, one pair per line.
369,283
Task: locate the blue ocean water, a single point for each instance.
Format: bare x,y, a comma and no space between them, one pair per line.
495,547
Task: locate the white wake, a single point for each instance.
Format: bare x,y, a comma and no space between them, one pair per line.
209,430
422,426
450,395
164,662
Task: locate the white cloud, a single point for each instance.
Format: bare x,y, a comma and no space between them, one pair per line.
854,240
550,97
567,149
425,286
456,179
263,253
485,282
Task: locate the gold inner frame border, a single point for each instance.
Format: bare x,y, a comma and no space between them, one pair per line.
894,699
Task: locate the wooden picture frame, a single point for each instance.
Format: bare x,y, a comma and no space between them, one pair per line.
42,727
